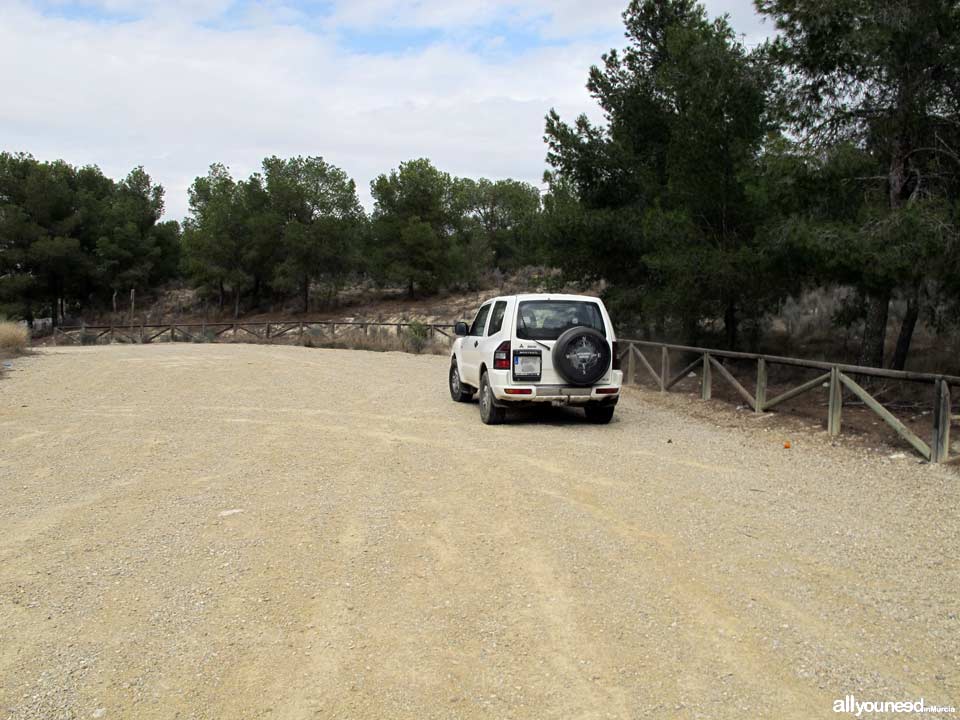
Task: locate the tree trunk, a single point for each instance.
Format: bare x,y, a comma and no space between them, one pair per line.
875,329
906,333
306,295
878,304
410,289
691,327
236,304
220,298
660,327
730,323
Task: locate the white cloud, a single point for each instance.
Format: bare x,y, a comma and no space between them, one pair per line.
175,94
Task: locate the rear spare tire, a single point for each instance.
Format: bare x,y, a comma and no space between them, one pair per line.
581,356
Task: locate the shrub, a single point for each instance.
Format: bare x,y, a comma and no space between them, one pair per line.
207,336
14,338
417,334
377,342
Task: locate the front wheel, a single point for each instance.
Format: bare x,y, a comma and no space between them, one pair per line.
599,414
459,391
490,414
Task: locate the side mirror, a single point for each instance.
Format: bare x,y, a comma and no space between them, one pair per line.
461,329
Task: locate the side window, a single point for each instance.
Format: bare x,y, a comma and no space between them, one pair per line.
496,320
480,321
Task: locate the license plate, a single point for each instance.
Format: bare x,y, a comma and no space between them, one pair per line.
526,365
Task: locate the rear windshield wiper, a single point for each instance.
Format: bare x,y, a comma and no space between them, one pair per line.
523,323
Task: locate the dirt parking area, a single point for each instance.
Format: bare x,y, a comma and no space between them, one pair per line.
240,531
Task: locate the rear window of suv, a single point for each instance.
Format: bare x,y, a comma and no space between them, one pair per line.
549,319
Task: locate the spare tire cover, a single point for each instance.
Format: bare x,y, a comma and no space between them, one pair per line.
581,356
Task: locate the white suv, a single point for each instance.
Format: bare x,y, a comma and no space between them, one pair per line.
525,349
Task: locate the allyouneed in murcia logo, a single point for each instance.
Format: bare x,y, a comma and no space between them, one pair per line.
850,704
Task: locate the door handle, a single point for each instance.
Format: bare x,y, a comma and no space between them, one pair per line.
476,342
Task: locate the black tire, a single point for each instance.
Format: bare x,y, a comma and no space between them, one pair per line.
582,356
599,414
459,391
490,414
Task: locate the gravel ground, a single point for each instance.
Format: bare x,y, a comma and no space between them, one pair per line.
241,531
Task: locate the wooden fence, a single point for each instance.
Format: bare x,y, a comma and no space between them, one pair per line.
837,376
216,331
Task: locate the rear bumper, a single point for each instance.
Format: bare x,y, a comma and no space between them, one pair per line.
508,393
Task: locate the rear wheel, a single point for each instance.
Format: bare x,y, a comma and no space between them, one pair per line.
490,414
599,414
459,391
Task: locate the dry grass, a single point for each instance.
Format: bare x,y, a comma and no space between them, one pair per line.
414,340
381,343
14,339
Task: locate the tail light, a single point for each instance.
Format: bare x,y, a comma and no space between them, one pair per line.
616,355
501,356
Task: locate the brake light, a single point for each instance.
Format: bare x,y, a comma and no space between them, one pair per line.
616,355
501,356
608,391
518,391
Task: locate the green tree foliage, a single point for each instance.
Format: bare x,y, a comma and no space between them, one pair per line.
322,223
665,184
70,236
135,250
214,236
507,214
418,235
297,224
882,77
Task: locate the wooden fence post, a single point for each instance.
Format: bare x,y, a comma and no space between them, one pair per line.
631,367
300,331
835,407
173,333
940,447
664,368
141,333
268,330
706,382
761,395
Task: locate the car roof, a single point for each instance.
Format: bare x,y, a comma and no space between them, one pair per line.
546,296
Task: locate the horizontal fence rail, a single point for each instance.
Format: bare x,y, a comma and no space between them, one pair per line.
215,331
836,376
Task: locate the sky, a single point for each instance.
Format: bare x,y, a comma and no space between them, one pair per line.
175,85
